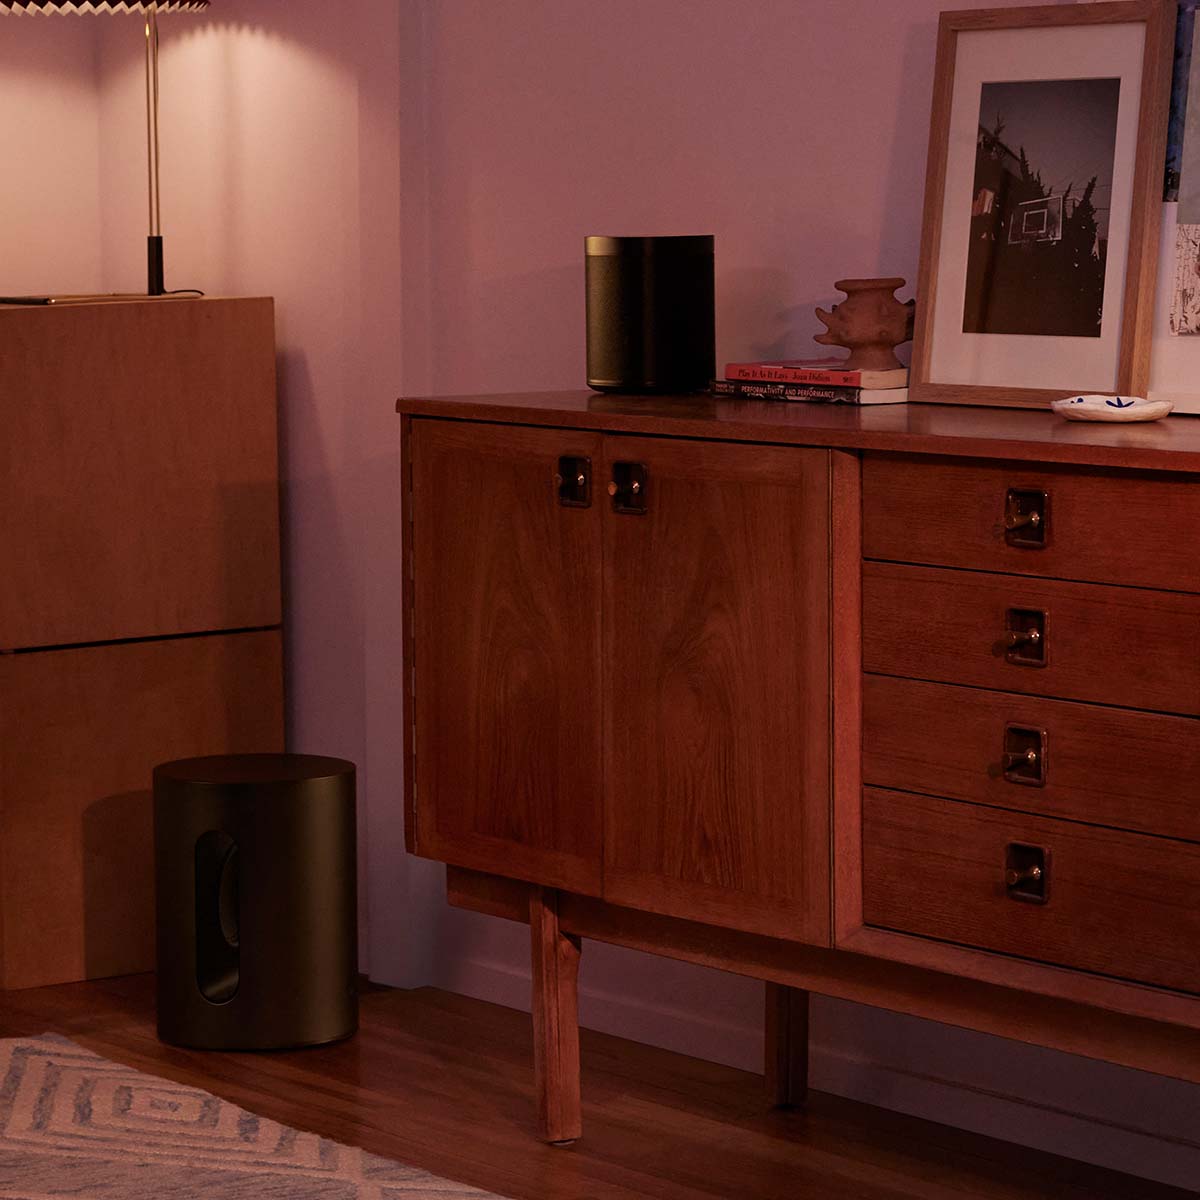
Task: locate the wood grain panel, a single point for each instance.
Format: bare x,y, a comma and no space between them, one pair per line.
1131,770
1172,444
1111,645
1148,1029
717,685
506,654
1073,1011
139,488
1108,527
407,600
491,894
1146,209
847,692
80,732
555,1011
1119,904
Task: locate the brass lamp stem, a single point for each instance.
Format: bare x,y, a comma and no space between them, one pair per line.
154,257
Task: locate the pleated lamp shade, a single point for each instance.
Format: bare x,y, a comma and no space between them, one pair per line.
100,6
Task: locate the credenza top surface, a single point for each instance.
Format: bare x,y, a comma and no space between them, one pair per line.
1172,444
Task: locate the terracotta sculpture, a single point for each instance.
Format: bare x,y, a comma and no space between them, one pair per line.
871,322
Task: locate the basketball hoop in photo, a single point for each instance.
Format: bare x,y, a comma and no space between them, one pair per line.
1036,221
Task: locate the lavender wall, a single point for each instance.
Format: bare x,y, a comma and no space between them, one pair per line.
412,182
49,157
795,132
282,134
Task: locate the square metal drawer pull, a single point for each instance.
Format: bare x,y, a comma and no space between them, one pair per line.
1025,637
1026,518
1024,755
1027,872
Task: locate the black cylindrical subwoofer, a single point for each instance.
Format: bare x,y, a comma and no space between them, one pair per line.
650,313
256,901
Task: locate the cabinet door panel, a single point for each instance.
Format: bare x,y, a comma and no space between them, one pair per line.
505,653
717,685
139,477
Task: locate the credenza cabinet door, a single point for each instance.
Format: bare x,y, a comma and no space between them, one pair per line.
716,635
505,651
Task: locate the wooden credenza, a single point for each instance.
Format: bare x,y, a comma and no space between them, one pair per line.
139,602
897,705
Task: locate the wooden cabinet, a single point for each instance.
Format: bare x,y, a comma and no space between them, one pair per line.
139,604
624,695
896,705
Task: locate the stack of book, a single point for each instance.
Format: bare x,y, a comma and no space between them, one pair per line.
822,380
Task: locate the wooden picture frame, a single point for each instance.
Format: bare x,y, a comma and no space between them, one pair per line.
1064,46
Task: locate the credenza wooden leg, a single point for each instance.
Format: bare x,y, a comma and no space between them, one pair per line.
786,1046
555,1020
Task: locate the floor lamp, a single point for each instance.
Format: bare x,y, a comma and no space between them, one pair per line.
154,245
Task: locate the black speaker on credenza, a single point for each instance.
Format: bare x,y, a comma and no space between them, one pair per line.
650,313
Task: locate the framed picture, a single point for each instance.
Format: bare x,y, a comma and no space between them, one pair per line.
1043,194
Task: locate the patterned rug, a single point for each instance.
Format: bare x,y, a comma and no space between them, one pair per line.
74,1124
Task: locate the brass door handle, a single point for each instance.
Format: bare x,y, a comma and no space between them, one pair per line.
573,482
1026,517
1015,521
628,488
1024,641
1023,755
1013,877
1027,873
1029,757
1018,637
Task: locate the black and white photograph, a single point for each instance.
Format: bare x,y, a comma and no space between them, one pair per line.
1040,207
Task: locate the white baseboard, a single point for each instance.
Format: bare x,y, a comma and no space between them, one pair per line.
1109,1133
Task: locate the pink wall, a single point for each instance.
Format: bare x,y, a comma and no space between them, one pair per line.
412,182
281,128
49,156
795,132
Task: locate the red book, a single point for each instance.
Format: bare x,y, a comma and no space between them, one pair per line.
826,371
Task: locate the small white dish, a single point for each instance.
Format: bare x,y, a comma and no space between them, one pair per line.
1111,408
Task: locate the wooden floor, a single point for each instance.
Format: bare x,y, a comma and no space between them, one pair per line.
444,1083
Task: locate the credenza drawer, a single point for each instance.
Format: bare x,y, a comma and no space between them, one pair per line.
1118,527
1109,645
1118,904
1109,766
